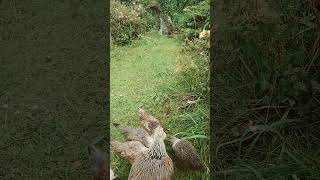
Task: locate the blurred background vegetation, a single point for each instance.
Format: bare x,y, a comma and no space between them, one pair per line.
53,81
266,89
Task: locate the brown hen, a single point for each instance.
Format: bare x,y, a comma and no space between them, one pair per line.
148,122
186,154
129,150
135,134
154,164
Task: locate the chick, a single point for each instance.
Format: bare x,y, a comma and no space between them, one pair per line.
154,164
186,154
129,150
135,134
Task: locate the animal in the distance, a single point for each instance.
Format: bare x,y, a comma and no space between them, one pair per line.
154,164
186,154
148,122
128,150
100,163
135,134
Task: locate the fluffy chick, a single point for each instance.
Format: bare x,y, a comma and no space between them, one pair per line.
186,154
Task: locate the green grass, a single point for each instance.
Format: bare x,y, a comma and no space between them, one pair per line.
144,73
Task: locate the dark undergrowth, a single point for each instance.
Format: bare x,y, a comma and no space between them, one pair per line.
265,93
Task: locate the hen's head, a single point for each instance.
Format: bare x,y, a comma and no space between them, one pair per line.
159,133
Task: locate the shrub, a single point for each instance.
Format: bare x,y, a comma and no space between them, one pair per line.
199,46
127,24
195,16
193,21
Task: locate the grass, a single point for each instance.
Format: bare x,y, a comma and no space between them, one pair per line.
144,73
265,96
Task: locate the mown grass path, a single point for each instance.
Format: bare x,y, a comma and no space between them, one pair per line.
137,73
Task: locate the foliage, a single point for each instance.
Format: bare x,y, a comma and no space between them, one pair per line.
194,20
195,72
195,16
265,90
186,13
127,24
149,21
200,46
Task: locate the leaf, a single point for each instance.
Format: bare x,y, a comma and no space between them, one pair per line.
197,137
258,128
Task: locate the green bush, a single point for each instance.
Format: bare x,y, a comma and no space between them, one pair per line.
148,20
199,46
127,24
195,16
191,22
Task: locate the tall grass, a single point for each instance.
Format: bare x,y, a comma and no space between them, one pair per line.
185,106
